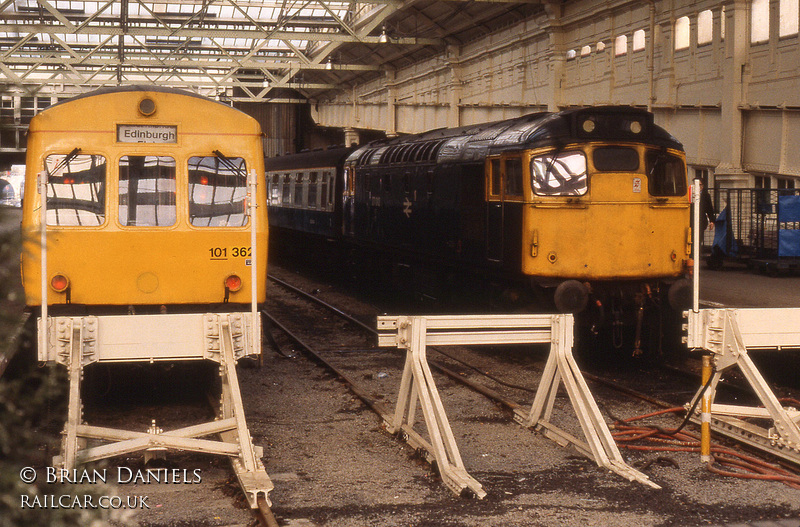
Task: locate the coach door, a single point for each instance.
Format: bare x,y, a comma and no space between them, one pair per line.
494,212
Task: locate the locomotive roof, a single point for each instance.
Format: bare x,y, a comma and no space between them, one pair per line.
474,143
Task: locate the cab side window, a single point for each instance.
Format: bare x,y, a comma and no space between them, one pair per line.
495,182
513,178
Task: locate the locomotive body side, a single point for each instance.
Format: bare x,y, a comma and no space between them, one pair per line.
588,203
146,205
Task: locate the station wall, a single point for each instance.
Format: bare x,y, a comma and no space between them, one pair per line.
723,77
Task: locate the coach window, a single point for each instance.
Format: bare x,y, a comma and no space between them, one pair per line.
666,174
324,197
286,195
275,190
559,174
76,190
312,190
297,199
147,191
512,178
217,191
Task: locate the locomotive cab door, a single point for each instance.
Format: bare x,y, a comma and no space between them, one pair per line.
494,210
503,204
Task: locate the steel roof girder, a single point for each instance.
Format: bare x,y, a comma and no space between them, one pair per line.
49,29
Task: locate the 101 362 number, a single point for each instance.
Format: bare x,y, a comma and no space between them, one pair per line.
222,253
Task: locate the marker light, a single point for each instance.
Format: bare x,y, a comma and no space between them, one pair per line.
233,283
147,107
59,283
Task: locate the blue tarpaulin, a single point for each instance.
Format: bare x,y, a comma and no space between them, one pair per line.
788,242
724,241
788,208
788,239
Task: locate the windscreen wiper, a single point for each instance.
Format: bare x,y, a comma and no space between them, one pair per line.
229,164
64,162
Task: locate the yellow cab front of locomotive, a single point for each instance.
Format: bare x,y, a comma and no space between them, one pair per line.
606,224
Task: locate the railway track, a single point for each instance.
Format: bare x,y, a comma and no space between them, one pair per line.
668,387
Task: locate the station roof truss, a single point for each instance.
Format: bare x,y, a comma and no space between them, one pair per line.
238,50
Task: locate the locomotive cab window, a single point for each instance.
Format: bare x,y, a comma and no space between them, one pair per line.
147,191
559,174
76,190
512,178
666,175
495,182
217,191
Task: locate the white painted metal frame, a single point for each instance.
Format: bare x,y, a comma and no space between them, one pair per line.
78,341
220,337
415,333
562,368
728,334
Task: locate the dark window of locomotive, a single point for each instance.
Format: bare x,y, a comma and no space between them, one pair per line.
76,190
494,178
332,188
217,191
147,191
312,190
615,159
666,174
513,177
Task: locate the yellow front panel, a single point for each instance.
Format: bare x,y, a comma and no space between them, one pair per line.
166,267
613,232
115,264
